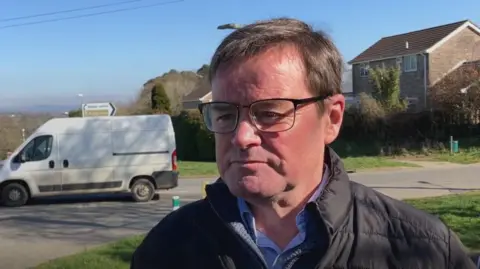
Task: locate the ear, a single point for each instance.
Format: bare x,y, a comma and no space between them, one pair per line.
334,108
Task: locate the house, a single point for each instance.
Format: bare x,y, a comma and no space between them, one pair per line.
424,58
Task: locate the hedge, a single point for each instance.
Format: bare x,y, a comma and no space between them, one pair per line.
194,141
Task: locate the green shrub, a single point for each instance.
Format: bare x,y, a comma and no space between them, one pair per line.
194,141
159,100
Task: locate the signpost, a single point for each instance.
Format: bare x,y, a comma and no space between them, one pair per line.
98,110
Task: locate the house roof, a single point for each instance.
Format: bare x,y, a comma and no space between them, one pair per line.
418,41
203,88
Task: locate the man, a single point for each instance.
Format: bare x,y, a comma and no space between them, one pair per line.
284,199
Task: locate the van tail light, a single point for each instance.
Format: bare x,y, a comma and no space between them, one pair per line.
174,160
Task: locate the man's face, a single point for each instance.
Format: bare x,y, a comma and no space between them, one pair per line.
263,165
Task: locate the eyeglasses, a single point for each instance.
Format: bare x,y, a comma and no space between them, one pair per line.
268,115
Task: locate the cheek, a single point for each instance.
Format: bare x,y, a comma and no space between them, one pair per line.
221,143
222,147
304,140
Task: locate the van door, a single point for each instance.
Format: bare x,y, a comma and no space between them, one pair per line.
86,162
37,163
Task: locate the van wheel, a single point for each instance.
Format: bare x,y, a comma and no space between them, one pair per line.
143,190
14,194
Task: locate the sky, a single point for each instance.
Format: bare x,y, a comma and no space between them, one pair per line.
112,55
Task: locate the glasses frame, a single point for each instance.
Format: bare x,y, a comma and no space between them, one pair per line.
296,104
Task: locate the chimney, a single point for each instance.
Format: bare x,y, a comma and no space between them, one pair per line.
406,44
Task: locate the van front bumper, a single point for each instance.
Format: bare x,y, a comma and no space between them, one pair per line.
165,180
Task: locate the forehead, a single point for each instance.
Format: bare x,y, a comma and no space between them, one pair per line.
275,73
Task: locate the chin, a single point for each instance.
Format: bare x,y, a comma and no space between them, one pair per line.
254,186
251,184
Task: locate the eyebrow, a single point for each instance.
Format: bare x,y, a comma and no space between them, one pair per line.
224,107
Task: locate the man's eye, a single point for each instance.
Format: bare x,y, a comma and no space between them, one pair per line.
225,117
268,115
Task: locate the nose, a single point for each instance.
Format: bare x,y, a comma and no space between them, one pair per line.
246,135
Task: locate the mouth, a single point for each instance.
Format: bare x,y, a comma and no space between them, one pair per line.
247,162
248,165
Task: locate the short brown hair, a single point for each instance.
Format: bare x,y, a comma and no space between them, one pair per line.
322,60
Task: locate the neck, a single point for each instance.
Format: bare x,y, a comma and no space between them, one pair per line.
277,217
283,208
286,205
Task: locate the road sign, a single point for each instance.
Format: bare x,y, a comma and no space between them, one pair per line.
98,110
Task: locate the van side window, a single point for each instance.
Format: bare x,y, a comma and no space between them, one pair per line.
38,149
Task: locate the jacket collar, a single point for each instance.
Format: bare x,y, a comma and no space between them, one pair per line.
332,205
335,201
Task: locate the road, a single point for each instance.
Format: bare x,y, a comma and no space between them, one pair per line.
400,184
421,182
51,228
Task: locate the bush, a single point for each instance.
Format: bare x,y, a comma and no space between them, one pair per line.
194,141
366,133
386,88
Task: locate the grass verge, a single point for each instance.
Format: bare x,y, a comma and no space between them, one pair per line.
197,169
114,255
469,151
466,156
460,212
208,169
365,163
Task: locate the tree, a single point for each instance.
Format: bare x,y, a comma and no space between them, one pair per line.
457,87
160,100
75,113
386,88
458,93
204,70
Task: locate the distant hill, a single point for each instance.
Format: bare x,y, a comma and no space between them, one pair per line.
177,85
57,105
37,109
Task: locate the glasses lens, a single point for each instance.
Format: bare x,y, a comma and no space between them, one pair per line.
273,115
220,117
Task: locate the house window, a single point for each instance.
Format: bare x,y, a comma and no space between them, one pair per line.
364,70
410,63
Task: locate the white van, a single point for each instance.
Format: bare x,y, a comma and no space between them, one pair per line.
134,154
